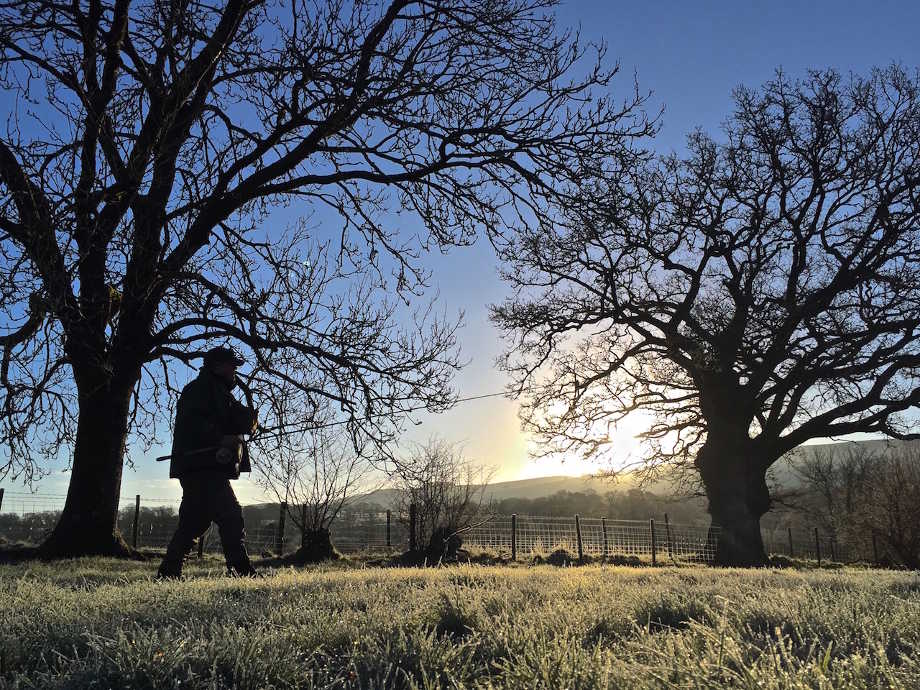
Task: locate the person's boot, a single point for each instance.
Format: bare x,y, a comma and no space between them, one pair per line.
243,568
169,571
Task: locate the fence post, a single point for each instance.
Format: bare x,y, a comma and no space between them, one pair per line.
581,553
604,530
412,520
874,543
667,531
137,511
513,536
388,530
1,497
651,529
817,547
833,550
201,540
303,525
791,553
279,538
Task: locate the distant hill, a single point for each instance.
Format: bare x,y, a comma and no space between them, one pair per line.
875,445
547,486
537,487
782,476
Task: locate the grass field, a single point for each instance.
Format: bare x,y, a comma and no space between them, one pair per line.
105,624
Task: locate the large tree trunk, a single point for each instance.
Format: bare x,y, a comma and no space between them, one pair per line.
88,523
736,487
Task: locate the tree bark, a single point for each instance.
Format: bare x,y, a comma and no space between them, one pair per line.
738,496
87,525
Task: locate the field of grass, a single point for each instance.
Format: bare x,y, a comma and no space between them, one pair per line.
105,624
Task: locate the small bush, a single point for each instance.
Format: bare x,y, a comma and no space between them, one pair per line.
560,557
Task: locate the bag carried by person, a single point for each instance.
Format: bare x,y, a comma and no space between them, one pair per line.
230,453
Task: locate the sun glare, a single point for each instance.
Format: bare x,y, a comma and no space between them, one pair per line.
625,447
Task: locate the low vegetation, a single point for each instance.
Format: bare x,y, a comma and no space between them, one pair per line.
104,623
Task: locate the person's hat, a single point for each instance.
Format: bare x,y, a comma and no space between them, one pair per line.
222,355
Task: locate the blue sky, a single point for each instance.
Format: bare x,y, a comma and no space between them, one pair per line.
690,55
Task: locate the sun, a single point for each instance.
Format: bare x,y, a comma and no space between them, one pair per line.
625,449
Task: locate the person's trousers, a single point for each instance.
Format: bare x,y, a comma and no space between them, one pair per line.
208,497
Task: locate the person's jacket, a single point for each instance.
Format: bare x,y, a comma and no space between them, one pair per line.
206,412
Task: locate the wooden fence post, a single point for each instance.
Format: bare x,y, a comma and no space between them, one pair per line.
581,553
1,497
789,530
412,520
279,538
303,525
651,529
513,536
201,541
874,547
389,542
137,511
667,531
604,530
817,547
833,550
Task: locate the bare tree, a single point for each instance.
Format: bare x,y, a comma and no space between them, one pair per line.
890,504
150,141
861,493
314,475
834,477
754,294
447,490
829,491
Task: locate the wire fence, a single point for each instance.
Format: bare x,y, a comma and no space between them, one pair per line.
812,545
531,535
149,523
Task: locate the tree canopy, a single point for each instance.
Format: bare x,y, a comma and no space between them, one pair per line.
148,145
757,292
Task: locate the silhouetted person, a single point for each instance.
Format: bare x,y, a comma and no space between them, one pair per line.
208,451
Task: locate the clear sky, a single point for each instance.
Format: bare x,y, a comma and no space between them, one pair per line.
690,55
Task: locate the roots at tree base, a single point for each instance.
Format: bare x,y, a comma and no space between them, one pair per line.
737,546
68,543
315,547
443,545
